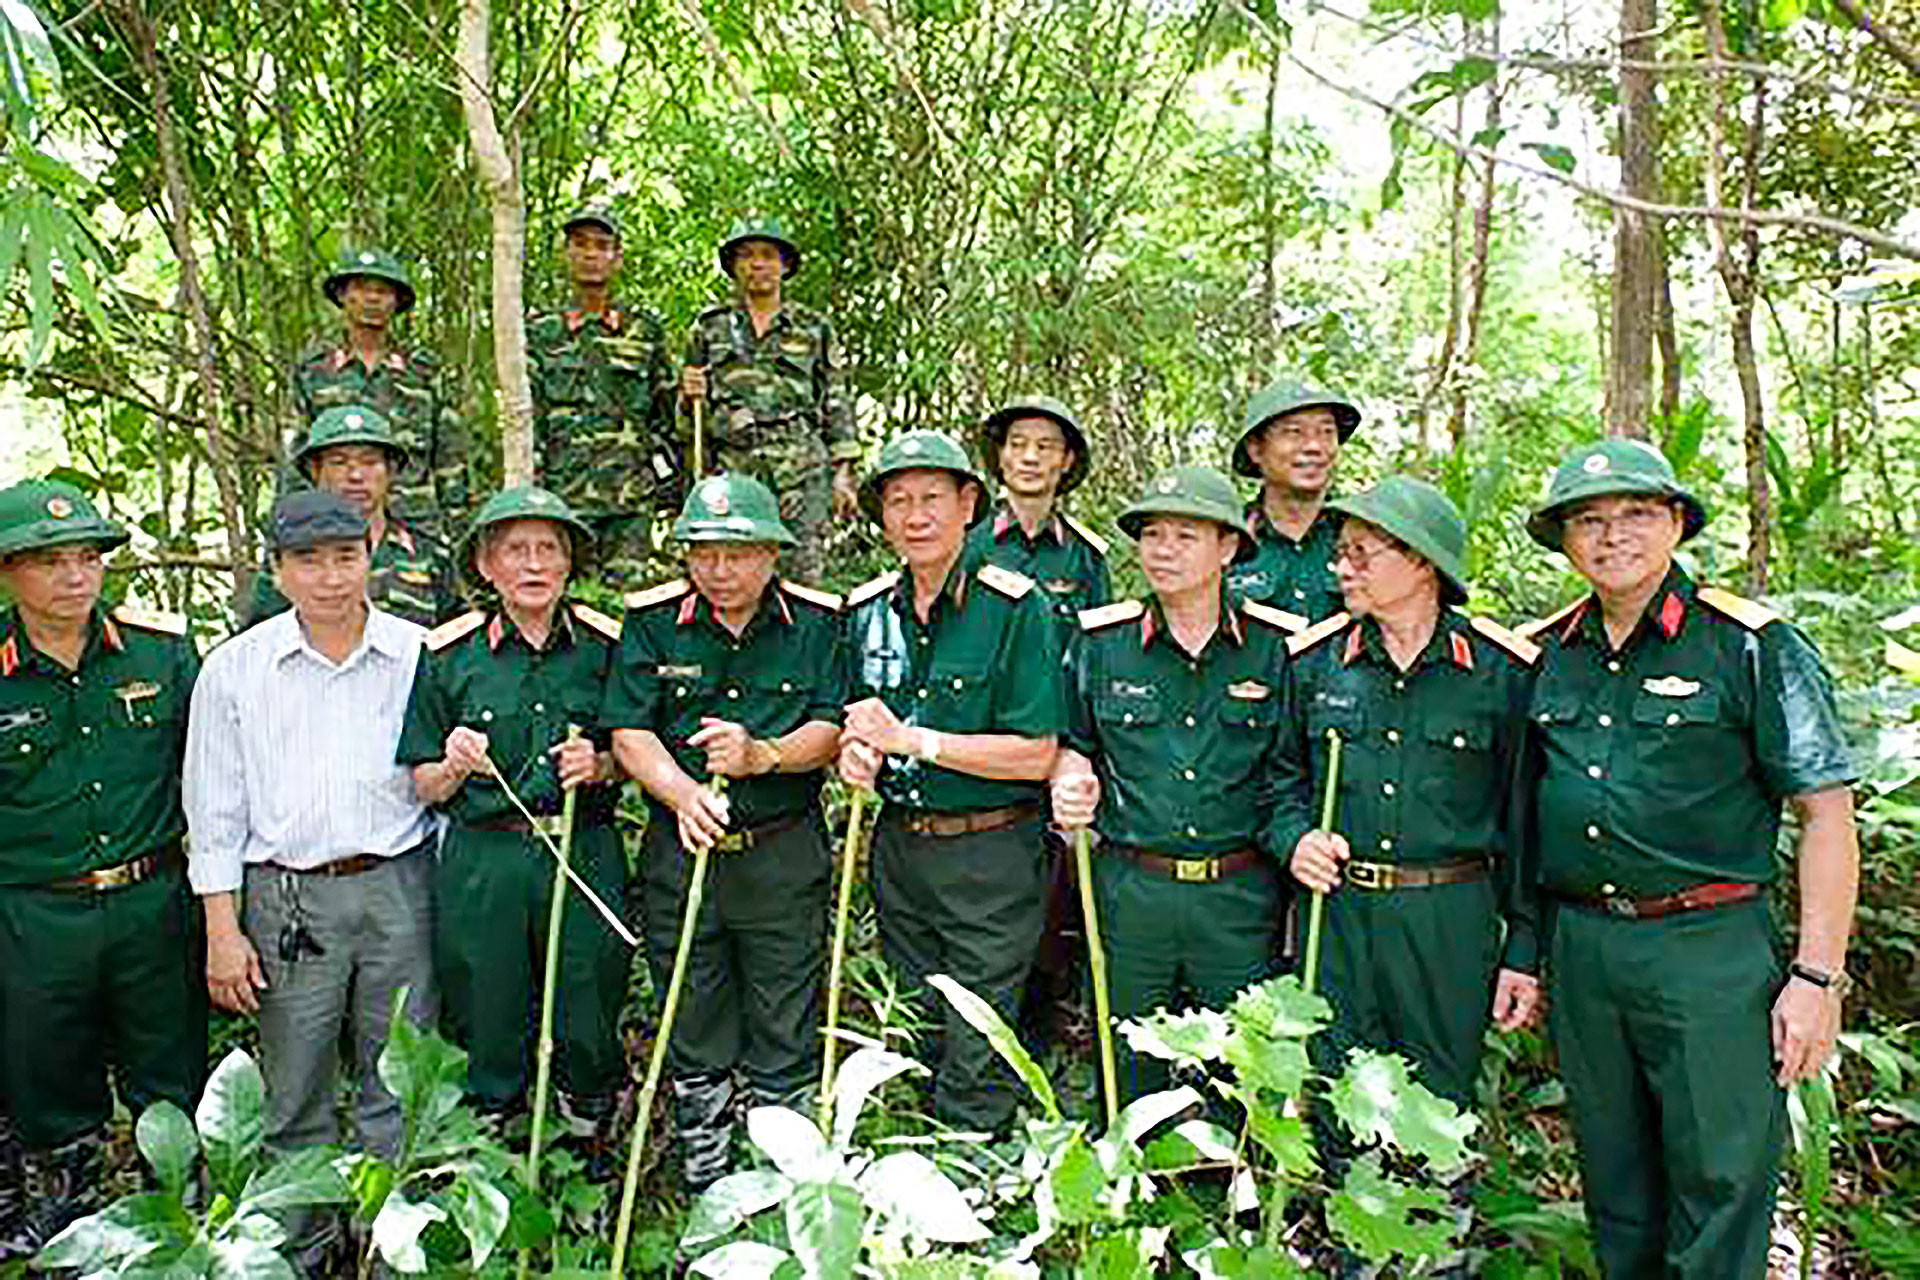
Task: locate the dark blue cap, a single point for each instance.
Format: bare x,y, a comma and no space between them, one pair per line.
304,520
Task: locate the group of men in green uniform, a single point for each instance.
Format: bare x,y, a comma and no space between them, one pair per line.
1581,815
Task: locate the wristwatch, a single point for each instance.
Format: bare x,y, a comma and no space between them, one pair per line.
1838,983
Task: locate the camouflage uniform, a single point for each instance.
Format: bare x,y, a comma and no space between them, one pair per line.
777,411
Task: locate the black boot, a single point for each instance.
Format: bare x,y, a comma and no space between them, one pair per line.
703,1108
62,1185
13,1214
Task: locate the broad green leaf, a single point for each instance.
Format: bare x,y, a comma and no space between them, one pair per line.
1219,1260
981,1017
855,1082
425,1073
80,273
741,1260
167,1141
32,38
1190,1038
1811,1108
1148,1112
1077,1183
480,1209
1554,155
1191,1142
792,1142
231,1118
123,1230
13,225
248,1260
1285,1139
1381,1217
1124,1255
730,1202
305,1177
1778,15
1377,1098
1280,1008
396,1232
39,282
1263,1063
825,1221
911,1190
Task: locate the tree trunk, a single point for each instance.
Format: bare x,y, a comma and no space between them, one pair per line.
500,175
1668,338
1263,332
1482,39
1456,272
1636,250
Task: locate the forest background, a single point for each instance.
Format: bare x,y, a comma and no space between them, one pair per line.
1500,228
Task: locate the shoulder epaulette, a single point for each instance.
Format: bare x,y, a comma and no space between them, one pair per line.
1528,630
873,587
1091,538
1313,635
825,599
1005,581
1748,613
172,624
599,621
1291,623
1525,650
447,632
1107,614
658,595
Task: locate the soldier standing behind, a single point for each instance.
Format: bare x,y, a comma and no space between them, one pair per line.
368,366
772,371
1035,448
1292,444
603,392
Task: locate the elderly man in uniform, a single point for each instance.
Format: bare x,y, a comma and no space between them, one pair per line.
100,948
773,372
603,393
734,678
367,365
1292,442
353,452
1171,753
1671,722
959,710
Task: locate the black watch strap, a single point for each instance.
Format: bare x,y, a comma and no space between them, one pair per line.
1836,982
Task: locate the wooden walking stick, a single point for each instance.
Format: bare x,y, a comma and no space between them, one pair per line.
656,1063
1328,801
699,439
1097,965
842,909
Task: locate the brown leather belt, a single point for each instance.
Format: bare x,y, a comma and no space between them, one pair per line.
351,865
552,823
1380,876
741,841
121,875
1191,870
926,823
1701,897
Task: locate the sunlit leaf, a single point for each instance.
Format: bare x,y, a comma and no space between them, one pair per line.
981,1017
731,1201
1381,1217
910,1189
167,1141
1379,1100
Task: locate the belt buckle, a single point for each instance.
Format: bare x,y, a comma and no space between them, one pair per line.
1369,875
1196,870
1618,904
734,842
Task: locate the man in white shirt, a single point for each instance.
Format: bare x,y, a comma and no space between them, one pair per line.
309,850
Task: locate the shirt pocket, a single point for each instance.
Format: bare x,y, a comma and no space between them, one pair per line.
957,698
27,741
1677,715
1556,708
1244,711
776,704
1123,706
1341,712
567,380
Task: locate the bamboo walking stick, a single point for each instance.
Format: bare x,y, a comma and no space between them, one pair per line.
543,1053
843,906
1097,965
699,439
1328,801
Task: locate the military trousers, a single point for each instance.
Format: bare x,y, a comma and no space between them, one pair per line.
1410,971
1166,938
752,990
99,983
493,891
971,907
1664,1034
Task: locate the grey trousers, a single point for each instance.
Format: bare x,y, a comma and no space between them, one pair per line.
375,936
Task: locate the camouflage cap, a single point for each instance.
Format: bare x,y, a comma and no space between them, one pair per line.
732,508
376,264
993,434
920,451
752,228
349,424
526,502
304,520
594,215
35,514
1196,493
1282,396
1612,468
1424,519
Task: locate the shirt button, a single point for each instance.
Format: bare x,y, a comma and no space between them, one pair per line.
1459,741
1386,788
26,746
919,693
1298,594
99,786
486,715
1192,832
1593,771
1606,721
1187,774
1593,832
102,837
786,686
1399,684
75,678
1608,890
1614,665
1393,735
1386,844
913,795
1190,722
733,693
679,690
539,708
86,730
1673,717
1126,718
958,682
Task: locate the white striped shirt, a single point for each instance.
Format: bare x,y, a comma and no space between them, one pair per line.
290,757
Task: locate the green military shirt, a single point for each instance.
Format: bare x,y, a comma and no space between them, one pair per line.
406,388
412,576
1429,755
678,663
779,411
1662,763
1065,559
603,396
1295,576
1183,744
90,758
479,671
987,660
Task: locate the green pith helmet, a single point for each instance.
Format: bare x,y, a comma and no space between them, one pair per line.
528,502
1612,468
52,513
375,263
993,434
732,508
768,229
921,451
350,424
1198,493
1422,517
594,215
1285,396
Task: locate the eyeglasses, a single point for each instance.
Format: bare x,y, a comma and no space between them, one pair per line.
1042,447
1360,555
1637,520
